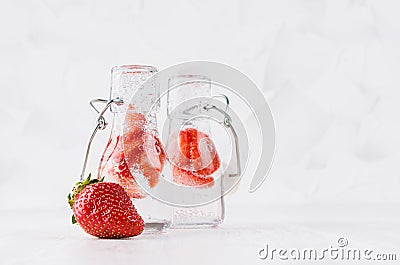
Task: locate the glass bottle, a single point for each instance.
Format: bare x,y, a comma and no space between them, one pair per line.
125,80
192,154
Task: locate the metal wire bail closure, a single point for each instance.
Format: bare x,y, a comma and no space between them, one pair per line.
101,125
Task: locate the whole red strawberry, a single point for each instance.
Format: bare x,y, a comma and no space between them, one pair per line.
104,210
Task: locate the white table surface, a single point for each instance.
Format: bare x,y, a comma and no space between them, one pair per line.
47,237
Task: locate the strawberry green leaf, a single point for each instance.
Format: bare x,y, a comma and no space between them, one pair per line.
73,219
79,186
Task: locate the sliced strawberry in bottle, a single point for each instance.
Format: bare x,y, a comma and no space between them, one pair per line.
152,159
139,149
142,149
133,146
197,153
194,158
122,175
189,142
117,171
186,178
211,168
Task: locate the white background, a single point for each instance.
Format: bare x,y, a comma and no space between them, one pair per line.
330,70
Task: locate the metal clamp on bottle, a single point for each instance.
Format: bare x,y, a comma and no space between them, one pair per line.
227,122
101,125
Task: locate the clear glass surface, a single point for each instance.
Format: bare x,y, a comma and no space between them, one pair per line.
114,165
193,157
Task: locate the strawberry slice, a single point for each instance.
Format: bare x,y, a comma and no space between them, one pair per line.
121,174
116,170
211,168
197,153
152,159
189,142
187,178
143,149
194,158
140,148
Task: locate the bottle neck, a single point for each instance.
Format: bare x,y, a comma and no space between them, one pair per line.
118,122
127,84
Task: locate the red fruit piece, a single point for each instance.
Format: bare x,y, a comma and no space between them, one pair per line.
189,142
211,168
187,178
197,153
143,150
134,137
104,210
152,159
116,170
121,174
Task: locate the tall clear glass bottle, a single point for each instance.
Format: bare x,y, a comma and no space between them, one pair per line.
113,166
192,154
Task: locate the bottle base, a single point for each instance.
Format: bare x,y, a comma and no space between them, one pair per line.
195,225
206,216
155,227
